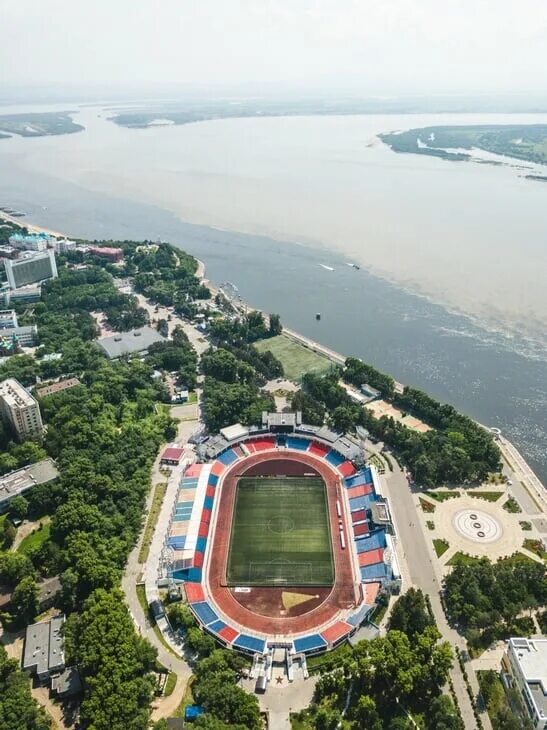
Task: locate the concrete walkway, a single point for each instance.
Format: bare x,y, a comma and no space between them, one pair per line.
421,569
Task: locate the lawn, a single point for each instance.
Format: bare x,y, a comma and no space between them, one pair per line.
511,506
280,533
488,496
427,506
460,558
442,496
536,547
35,539
441,546
296,359
157,499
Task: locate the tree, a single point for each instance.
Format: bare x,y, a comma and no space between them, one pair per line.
114,663
25,599
18,507
365,714
163,327
180,616
443,715
220,364
275,328
14,567
18,709
410,613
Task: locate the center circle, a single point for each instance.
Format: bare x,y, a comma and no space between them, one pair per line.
280,524
477,526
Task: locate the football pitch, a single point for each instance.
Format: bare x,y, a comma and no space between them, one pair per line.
280,533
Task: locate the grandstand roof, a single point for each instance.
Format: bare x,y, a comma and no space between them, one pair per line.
235,432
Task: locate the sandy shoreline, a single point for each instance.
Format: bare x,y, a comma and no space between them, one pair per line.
31,228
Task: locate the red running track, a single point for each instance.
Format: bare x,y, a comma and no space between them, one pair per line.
343,593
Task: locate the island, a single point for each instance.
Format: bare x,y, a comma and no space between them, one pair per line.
38,124
527,142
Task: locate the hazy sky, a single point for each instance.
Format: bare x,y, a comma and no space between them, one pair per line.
374,46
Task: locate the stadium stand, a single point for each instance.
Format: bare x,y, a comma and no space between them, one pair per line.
375,540
319,449
335,632
360,530
298,444
228,457
204,612
374,572
334,458
250,643
194,592
362,477
371,557
347,469
312,643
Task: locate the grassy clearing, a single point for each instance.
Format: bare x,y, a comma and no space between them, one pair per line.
280,533
460,558
427,506
170,684
157,499
442,496
187,699
296,359
441,546
35,539
536,547
488,496
512,506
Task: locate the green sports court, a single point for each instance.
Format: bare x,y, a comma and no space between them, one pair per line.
280,533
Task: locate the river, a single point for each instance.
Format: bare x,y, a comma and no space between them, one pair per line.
450,295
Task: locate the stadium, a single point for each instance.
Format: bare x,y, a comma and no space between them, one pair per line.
280,537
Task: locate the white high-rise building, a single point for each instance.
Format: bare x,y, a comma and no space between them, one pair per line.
36,267
526,664
20,410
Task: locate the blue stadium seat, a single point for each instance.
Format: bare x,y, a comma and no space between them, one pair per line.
376,540
378,570
228,457
334,458
204,612
296,443
213,480
313,642
250,643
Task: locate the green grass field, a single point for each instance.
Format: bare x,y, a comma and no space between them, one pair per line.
296,359
280,533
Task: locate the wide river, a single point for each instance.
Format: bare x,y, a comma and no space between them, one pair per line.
451,294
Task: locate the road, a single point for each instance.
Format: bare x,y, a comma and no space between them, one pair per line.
421,569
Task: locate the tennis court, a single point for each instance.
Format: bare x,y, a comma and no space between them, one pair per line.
280,533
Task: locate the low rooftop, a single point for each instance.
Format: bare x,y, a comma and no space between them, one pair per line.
125,343
57,387
20,480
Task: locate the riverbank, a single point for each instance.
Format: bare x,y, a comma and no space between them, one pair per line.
312,297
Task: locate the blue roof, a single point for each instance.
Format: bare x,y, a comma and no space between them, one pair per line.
213,480
204,612
228,457
192,712
373,541
334,458
310,643
251,643
296,443
378,570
